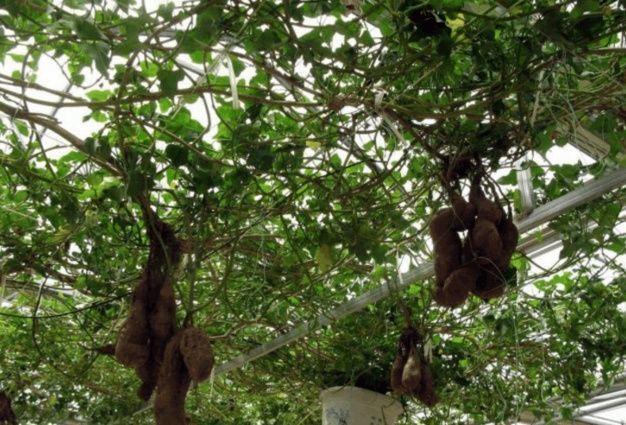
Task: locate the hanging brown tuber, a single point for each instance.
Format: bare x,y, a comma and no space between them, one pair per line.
485,242
7,416
188,356
464,212
485,208
509,236
152,318
172,386
197,353
427,394
397,368
411,373
490,283
447,244
458,286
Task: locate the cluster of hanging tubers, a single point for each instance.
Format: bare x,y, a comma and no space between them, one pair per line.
164,358
478,264
474,241
410,372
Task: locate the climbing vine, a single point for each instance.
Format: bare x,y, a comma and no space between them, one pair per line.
263,161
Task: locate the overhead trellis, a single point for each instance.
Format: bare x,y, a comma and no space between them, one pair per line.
298,151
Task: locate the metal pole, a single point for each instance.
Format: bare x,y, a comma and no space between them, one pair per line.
525,186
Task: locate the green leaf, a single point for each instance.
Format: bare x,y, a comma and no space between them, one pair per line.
22,127
267,40
99,53
132,28
166,10
99,95
169,80
149,69
178,155
165,104
123,4
87,30
137,183
510,178
324,257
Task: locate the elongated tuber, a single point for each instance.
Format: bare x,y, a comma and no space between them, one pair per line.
447,244
485,208
152,318
458,286
188,356
7,416
486,243
397,369
197,353
490,283
464,212
509,236
172,387
412,372
427,394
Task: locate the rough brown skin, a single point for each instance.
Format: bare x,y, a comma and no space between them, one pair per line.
493,257
485,208
439,297
173,384
6,412
152,319
188,356
464,212
509,236
447,260
132,342
163,315
486,243
146,374
427,394
407,343
458,167
412,372
447,244
106,350
162,327
197,353
441,223
165,255
458,286
490,283
396,375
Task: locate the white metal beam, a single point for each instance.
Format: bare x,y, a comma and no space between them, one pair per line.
525,186
585,140
583,414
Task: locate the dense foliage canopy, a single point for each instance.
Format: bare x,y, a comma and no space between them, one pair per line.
297,148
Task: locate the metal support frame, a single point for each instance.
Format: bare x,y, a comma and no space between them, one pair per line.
607,397
525,186
585,140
